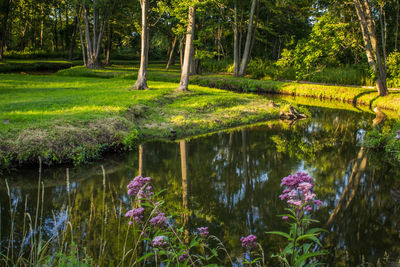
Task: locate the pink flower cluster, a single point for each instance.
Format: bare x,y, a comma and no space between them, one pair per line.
249,242
160,219
183,257
139,186
136,214
203,231
159,241
298,191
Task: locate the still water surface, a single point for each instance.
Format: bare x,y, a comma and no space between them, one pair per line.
232,186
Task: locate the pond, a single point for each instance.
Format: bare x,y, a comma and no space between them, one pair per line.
231,183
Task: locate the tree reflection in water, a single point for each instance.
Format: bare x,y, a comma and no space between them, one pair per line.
234,187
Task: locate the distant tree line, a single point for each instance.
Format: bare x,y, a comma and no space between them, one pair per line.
301,34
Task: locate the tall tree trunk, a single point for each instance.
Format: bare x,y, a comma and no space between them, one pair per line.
255,27
82,43
396,35
192,63
93,45
382,20
246,52
41,25
371,44
236,59
171,53
4,30
72,46
141,82
184,83
61,31
109,45
55,29
181,51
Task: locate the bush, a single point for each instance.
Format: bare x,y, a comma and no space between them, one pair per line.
393,69
212,65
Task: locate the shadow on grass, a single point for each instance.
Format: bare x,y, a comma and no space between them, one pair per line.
360,95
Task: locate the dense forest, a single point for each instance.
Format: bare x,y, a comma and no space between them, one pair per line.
281,39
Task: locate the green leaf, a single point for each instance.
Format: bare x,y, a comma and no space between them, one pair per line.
316,230
309,255
311,237
145,256
287,236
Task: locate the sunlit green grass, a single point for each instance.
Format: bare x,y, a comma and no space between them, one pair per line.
78,113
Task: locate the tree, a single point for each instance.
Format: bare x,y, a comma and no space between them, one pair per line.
184,83
141,82
249,37
93,40
4,29
371,44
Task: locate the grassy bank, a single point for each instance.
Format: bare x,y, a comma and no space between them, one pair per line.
356,95
77,114
64,118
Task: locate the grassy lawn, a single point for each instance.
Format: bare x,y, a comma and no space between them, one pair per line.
64,117
77,114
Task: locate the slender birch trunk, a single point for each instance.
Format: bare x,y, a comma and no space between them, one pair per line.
141,82
246,52
396,34
371,44
4,30
171,53
72,45
41,25
181,51
82,43
236,59
109,45
184,83
93,45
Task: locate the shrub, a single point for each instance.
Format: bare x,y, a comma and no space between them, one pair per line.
212,65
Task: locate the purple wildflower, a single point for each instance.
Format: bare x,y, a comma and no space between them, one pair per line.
203,231
285,217
318,202
298,191
183,257
160,219
135,187
136,214
398,135
159,241
249,242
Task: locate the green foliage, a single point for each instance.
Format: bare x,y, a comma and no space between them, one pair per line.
325,47
214,66
387,140
71,259
393,69
345,75
131,140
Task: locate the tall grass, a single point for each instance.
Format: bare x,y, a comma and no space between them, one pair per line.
29,245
